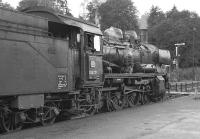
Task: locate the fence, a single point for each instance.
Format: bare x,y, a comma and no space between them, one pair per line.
185,86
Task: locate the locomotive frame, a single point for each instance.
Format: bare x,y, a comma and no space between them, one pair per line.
53,65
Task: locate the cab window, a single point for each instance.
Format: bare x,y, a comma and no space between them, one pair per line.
93,42
90,41
97,43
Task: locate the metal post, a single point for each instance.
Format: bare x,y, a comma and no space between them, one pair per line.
197,85
185,87
181,87
193,59
192,86
177,55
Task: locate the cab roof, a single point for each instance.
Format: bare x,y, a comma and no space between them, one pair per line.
68,20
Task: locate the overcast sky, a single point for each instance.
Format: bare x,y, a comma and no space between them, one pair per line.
143,6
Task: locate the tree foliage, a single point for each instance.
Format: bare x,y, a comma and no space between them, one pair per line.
120,13
6,5
57,5
92,8
176,27
155,16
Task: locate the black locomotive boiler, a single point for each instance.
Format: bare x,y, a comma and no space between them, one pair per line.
54,65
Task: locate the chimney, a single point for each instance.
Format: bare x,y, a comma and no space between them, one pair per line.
143,26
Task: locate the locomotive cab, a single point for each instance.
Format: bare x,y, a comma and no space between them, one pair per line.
84,53
93,53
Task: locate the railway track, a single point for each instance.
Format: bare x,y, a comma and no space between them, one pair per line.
167,97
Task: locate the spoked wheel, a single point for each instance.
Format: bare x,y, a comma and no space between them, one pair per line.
8,121
132,99
88,107
50,112
117,102
109,105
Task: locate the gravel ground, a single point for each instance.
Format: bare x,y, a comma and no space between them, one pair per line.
173,119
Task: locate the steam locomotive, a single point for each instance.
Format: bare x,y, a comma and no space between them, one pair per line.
54,65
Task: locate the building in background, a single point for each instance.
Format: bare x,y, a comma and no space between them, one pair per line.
143,26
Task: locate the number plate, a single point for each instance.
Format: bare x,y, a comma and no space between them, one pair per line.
62,81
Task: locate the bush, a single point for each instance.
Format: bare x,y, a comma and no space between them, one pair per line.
185,74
